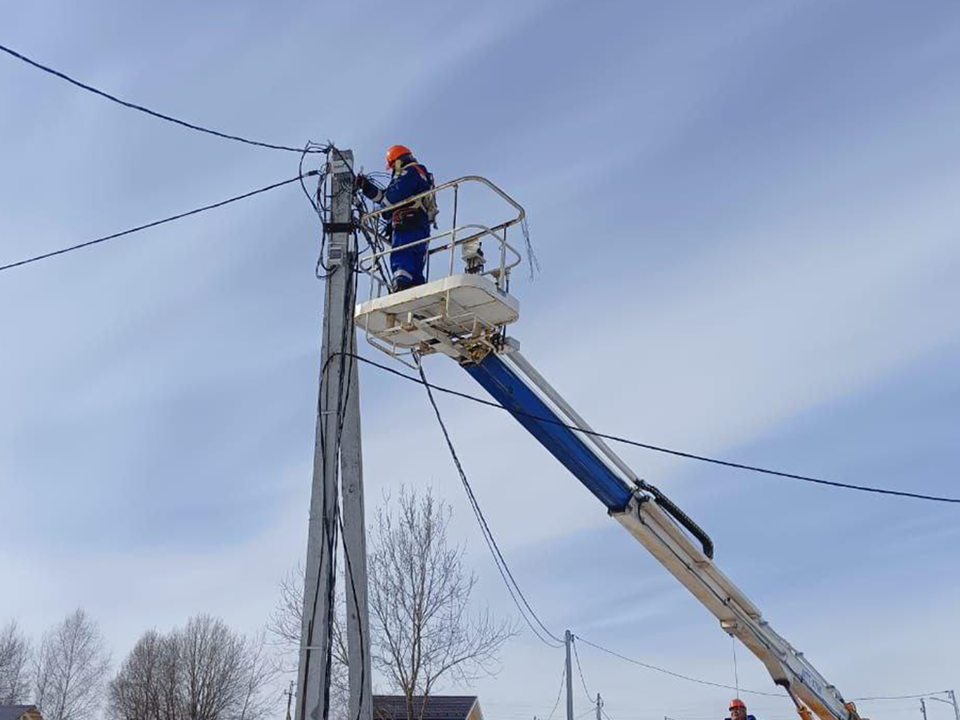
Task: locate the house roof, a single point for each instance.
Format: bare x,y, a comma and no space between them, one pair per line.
12,712
438,707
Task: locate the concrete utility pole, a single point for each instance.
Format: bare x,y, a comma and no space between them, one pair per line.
568,640
339,394
599,706
923,708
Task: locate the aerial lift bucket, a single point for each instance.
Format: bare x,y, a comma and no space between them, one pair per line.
463,313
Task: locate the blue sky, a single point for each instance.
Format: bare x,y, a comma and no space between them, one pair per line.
746,218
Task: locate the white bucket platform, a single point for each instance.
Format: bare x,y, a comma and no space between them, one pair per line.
462,314
458,315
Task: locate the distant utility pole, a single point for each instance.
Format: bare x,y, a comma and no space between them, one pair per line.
952,702
568,640
338,424
290,693
599,706
923,708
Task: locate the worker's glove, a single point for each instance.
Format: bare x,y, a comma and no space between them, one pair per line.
366,186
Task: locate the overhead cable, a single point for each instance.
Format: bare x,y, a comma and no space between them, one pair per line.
902,697
583,680
153,224
536,625
670,451
563,677
331,448
680,676
148,111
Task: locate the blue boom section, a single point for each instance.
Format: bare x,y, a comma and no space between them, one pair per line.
525,405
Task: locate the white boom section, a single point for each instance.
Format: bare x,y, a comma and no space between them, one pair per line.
646,519
667,542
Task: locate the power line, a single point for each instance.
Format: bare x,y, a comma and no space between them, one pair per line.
148,111
648,666
736,671
331,447
563,677
512,583
900,697
429,387
153,224
583,681
512,586
669,451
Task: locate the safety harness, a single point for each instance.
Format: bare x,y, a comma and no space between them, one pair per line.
427,203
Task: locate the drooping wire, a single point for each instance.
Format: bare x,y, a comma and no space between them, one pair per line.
736,672
153,224
349,339
375,241
532,258
318,203
146,110
330,452
576,656
901,697
670,451
377,238
563,677
327,548
671,673
523,606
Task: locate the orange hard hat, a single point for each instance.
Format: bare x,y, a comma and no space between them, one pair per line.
737,703
396,151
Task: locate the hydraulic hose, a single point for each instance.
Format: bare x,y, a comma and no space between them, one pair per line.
680,516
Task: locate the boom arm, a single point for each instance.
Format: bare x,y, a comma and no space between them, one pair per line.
657,523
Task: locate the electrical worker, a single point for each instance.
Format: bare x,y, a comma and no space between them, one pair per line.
738,710
409,223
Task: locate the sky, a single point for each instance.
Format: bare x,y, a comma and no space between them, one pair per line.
746,219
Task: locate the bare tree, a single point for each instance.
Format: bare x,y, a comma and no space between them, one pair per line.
204,671
419,593
258,674
71,669
210,658
285,627
420,603
141,690
15,653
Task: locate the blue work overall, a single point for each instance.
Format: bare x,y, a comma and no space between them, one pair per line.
408,224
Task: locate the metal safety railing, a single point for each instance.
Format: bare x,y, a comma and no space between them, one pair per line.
467,235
